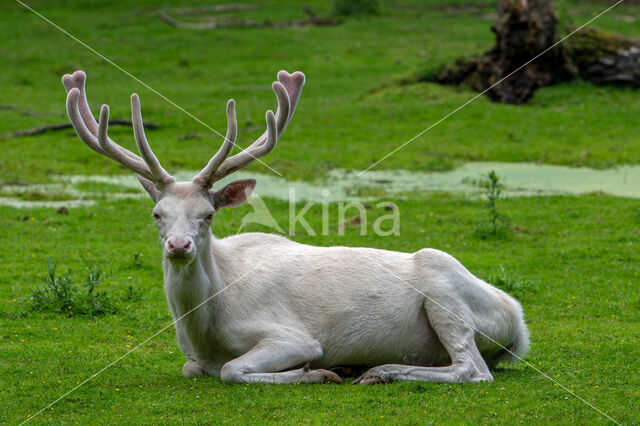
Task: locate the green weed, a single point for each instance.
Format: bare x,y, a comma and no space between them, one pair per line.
510,282
497,225
59,293
136,262
132,294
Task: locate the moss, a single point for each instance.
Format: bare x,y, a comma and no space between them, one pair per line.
591,44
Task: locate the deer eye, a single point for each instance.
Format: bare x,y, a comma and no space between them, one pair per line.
209,216
156,216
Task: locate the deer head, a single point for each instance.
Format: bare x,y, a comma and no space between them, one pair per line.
183,210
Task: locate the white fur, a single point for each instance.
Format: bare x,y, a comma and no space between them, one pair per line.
281,304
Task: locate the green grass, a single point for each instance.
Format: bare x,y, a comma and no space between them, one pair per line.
572,261
574,123
107,188
37,196
583,312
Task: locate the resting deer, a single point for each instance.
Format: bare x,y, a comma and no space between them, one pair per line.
261,308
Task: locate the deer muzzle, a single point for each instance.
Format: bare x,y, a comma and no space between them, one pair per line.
178,247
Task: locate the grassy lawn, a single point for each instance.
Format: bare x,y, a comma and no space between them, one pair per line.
573,262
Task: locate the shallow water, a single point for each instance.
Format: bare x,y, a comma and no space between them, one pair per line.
519,179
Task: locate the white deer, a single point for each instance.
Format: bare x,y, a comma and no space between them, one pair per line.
258,307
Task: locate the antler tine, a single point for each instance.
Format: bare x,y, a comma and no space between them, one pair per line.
159,174
293,84
84,117
111,148
101,144
79,124
283,114
77,80
95,135
254,151
205,177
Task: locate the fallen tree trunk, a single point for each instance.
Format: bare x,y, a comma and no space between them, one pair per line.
526,29
62,126
212,23
603,57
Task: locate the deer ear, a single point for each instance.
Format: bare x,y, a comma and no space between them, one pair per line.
150,187
233,194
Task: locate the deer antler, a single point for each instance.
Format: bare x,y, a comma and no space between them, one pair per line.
287,90
95,134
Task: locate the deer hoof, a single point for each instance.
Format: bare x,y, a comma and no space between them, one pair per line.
372,377
192,369
322,376
482,378
331,377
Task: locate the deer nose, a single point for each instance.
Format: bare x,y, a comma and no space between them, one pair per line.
178,246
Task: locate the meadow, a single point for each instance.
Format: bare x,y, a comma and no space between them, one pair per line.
572,261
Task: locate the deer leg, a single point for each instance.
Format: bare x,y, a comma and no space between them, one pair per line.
267,360
467,364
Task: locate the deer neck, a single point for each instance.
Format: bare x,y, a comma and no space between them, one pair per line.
188,286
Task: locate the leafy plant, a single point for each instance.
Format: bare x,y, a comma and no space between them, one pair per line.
508,281
356,7
132,294
497,223
60,293
137,261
